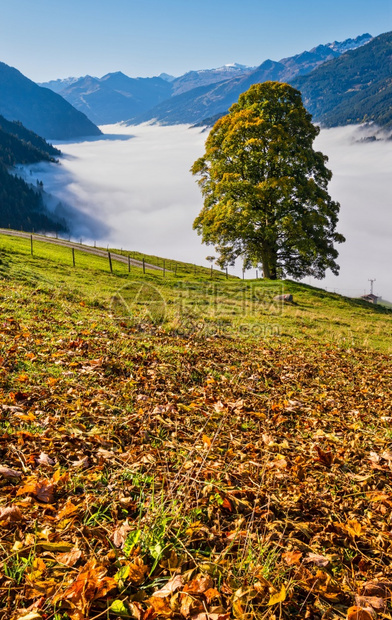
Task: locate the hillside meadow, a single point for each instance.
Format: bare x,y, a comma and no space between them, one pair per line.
176,445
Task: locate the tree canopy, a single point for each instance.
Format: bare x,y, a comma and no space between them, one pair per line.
265,187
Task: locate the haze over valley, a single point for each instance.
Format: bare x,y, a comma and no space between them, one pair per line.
132,188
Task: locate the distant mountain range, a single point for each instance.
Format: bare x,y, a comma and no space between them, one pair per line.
193,106
40,109
351,87
191,97
354,88
114,97
194,79
341,82
21,205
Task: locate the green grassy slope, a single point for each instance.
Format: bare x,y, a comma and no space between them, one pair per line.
189,297
180,446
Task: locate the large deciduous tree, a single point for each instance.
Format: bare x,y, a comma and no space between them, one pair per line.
265,187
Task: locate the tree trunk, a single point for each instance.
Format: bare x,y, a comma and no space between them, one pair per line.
268,260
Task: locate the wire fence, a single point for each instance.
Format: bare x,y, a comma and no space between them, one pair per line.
130,258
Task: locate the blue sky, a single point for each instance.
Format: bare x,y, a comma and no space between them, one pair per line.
48,39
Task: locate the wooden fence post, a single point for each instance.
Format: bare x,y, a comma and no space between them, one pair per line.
129,264
227,275
144,265
31,245
73,256
164,267
110,262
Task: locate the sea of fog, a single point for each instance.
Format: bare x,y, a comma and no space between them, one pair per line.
132,189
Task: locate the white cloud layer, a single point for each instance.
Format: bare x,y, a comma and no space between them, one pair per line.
136,185
362,183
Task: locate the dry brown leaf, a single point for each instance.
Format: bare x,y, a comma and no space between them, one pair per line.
96,363
190,606
90,584
292,557
376,602
59,546
39,588
149,614
43,490
227,504
31,615
361,613
120,534
211,594
106,454
10,514
200,584
70,558
137,571
175,583
59,478
7,472
354,528
160,607
136,610
35,606
280,463
44,459
67,510
76,615
246,594
326,458
375,496
82,463
381,589
319,560
39,565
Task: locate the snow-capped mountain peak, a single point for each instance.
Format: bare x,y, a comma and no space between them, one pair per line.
60,84
350,44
